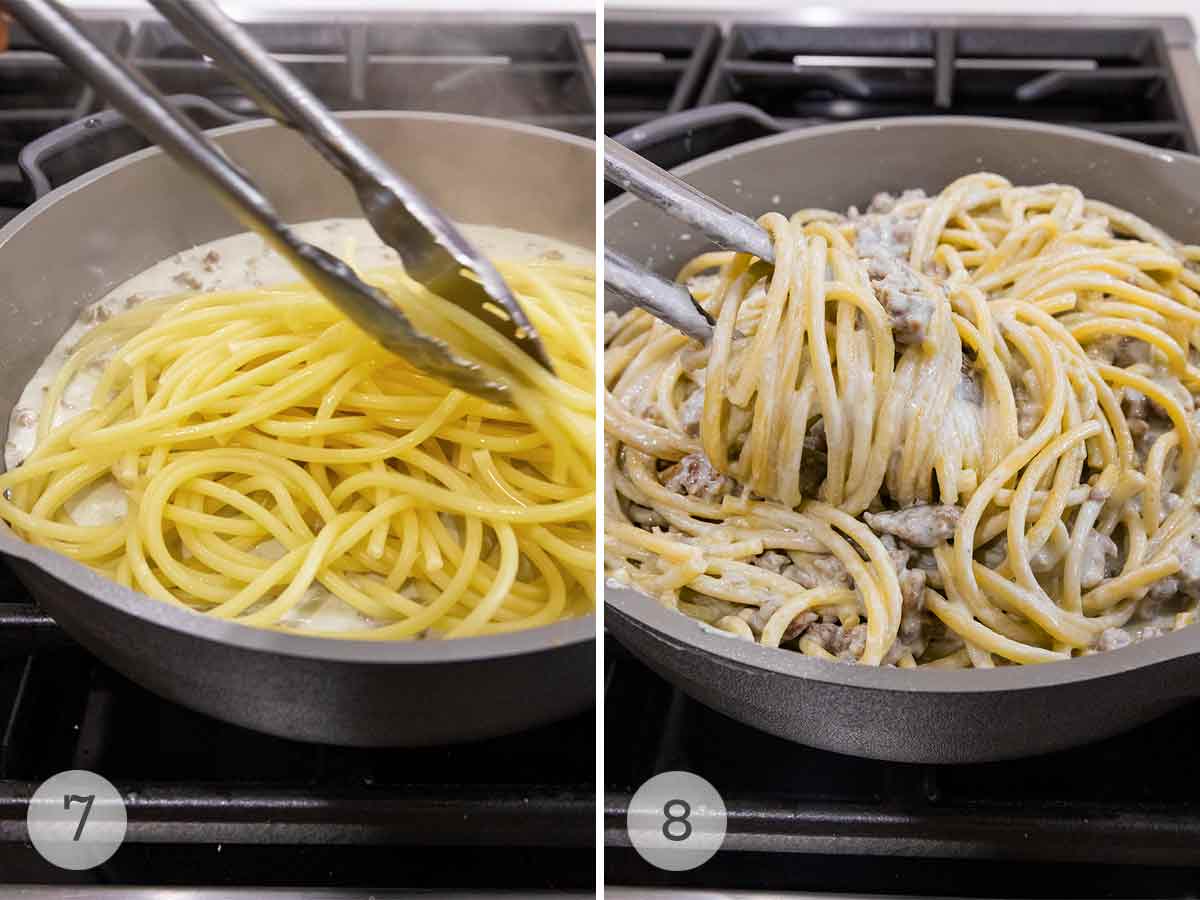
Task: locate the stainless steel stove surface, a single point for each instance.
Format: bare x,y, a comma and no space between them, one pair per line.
210,803
1116,819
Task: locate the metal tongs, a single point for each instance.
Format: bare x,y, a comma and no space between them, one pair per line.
432,249
664,299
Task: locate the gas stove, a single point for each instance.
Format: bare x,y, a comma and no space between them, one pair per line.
1114,819
212,804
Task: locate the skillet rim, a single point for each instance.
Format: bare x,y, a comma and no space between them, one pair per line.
681,632
557,636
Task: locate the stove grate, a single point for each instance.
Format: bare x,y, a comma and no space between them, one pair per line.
1066,812
1115,80
652,70
537,73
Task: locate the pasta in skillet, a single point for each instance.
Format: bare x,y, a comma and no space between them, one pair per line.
948,431
249,454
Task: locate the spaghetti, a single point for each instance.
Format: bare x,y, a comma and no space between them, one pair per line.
951,431
268,460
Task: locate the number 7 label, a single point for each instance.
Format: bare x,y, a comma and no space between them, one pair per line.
68,799
76,819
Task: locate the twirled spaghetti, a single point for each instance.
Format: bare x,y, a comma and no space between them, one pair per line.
949,431
268,459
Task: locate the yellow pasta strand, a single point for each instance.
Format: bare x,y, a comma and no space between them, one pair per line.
1012,371
273,460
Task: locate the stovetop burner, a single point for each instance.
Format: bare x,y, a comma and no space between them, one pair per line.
211,803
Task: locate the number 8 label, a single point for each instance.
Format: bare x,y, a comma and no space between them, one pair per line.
682,819
676,821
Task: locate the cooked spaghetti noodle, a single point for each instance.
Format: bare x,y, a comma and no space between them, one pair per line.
950,431
267,454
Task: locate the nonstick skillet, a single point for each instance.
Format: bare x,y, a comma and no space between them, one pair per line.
80,241
894,714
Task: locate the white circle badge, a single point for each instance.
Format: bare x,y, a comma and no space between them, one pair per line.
676,821
76,819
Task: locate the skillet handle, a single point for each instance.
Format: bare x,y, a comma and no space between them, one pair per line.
702,118
97,139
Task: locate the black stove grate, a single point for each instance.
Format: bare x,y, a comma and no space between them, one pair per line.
316,54
1115,80
536,73
652,70
1111,80
528,71
196,787
1118,818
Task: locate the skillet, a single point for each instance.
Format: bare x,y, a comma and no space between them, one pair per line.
893,714
81,240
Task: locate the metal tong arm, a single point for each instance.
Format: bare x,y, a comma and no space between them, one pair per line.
679,200
136,99
148,111
417,223
667,300
292,105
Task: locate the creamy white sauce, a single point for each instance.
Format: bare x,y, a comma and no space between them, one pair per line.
238,262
